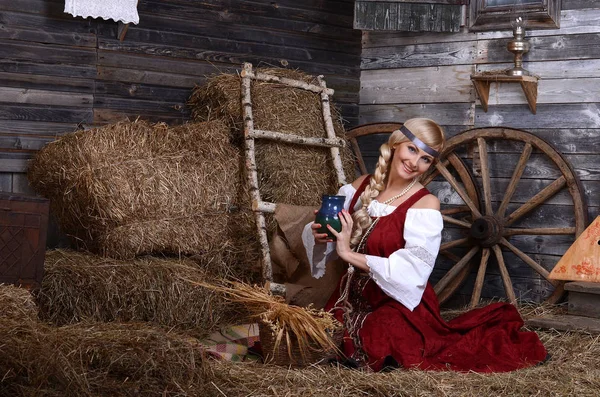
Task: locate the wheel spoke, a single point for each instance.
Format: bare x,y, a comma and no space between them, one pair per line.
461,192
508,287
456,221
536,200
485,175
455,270
512,186
358,154
527,259
453,243
465,177
433,174
540,231
455,210
485,255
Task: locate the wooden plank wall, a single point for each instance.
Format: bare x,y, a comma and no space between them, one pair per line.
428,75
59,73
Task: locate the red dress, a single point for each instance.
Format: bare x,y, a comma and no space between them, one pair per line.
487,339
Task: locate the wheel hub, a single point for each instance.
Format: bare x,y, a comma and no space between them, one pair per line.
486,231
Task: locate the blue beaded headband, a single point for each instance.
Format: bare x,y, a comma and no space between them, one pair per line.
419,143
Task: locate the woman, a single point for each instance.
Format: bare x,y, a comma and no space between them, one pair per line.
390,237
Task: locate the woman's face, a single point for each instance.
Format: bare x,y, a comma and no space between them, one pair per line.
409,161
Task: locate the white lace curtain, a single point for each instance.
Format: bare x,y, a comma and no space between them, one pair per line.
117,10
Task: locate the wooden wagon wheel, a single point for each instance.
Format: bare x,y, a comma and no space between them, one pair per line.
454,207
492,229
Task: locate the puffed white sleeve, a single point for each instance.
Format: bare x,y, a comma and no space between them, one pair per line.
404,275
319,254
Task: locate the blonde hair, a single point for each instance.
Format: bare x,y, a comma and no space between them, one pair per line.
427,131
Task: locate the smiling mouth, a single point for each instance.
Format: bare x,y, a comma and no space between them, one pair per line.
408,170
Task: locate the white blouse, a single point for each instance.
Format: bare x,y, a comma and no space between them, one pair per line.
403,276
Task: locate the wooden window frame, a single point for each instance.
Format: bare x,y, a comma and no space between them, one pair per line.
544,14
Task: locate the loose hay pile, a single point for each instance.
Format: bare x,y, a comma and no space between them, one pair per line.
16,304
288,173
573,370
79,286
137,359
134,188
97,360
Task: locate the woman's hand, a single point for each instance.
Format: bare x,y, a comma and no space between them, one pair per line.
343,238
320,238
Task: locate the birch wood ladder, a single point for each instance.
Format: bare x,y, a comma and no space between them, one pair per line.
250,134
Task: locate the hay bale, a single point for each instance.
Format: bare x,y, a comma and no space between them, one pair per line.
17,304
81,286
110,359
288,173
134,188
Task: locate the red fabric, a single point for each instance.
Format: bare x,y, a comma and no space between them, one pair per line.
482,340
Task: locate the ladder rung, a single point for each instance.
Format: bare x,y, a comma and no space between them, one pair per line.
301,140
263,206
287,81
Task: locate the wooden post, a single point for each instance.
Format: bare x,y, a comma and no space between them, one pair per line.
252,175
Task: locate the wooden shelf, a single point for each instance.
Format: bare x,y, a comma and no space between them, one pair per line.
482,84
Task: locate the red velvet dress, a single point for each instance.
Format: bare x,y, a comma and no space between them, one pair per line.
483,340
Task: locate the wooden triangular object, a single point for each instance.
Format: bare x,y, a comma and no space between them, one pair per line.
581,262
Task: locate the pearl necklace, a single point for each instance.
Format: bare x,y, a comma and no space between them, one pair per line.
402,193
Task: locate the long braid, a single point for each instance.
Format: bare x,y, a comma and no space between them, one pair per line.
362,219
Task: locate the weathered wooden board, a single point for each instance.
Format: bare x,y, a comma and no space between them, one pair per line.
44,97
580,90
407,17
69,71
26,142
417,85
544,48
565,69
20,184
41,29
46,53
444,113
183,45
148,77
232,32
420,55
584,304
45,82
243,53
255,14
5,182
46,113
585,115
565,323
374,39
580,4
571,22
39,128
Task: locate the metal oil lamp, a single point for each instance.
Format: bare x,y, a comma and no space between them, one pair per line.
518,46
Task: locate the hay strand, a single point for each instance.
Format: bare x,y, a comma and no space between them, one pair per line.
312,329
